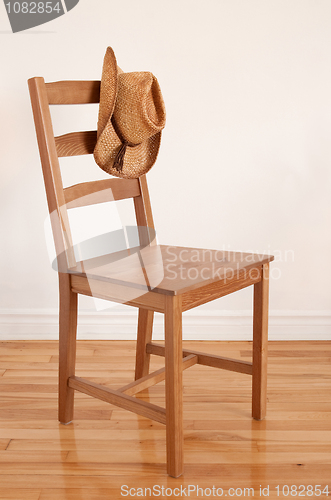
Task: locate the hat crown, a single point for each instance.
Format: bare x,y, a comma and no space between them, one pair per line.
139,111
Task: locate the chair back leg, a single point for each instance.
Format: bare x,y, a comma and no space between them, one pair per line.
144,336
67,347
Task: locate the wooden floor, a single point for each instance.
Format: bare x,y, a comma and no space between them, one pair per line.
107,448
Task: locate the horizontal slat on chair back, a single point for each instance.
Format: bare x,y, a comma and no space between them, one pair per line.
99,192
76,143
81,143
73,92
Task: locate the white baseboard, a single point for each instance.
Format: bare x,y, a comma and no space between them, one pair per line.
120,324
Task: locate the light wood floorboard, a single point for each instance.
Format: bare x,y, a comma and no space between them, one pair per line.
106,447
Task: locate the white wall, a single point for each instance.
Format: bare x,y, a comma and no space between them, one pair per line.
245,160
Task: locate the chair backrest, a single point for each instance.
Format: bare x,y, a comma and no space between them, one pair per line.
51,148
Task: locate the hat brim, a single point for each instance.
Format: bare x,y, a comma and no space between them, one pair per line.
138,160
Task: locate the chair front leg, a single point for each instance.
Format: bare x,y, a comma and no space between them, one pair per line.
174,385
260,345
144,336
67,347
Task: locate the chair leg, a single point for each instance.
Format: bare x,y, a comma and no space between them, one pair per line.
67,347
260,345
174,386
145,330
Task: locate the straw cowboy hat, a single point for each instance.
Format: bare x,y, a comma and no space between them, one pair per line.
131,117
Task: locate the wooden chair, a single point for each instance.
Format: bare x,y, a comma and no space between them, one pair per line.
177,292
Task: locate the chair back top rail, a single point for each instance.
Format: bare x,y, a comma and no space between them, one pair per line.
73,92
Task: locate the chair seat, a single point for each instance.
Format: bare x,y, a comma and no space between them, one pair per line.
170,270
